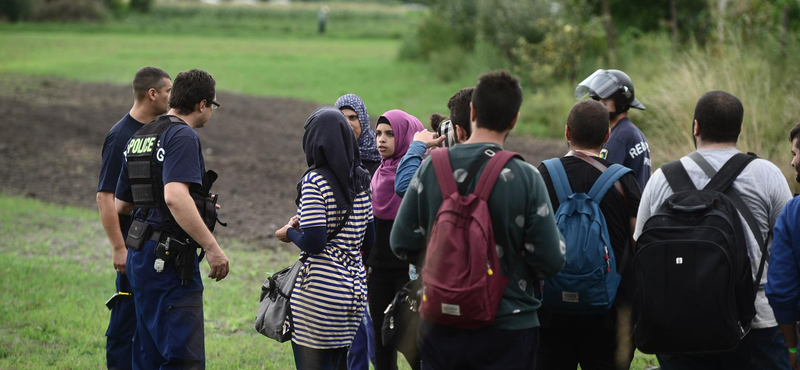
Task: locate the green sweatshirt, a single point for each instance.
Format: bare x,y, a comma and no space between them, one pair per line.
522,219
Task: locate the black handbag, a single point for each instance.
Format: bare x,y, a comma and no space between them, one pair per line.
276,293
399,327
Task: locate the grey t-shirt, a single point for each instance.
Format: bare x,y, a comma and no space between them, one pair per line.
761,186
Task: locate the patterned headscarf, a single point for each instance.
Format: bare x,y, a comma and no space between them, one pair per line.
366,142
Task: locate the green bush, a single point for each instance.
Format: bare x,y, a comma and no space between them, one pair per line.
448,64
450,23
558,55
433,35
141,5
15,10
410,48
71,11
504,23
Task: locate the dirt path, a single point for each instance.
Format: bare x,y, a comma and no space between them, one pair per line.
53,132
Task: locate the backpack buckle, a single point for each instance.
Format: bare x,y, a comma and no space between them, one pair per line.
489,152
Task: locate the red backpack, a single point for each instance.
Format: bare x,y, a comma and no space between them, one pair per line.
462,283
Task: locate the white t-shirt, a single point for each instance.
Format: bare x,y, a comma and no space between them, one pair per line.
762,187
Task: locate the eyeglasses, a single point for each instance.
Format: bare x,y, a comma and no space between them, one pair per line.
214,105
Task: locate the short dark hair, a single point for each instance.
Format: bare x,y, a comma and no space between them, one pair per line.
588,124
191,87
460,110
497,98
794,134
720,117
147,78
436,120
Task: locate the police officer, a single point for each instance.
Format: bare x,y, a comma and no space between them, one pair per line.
626,145
151,87
163,181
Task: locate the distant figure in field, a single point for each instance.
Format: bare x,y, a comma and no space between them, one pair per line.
322,16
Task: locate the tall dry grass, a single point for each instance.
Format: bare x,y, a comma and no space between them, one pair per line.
760,75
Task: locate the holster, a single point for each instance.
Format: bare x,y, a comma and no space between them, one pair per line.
205,203
182,254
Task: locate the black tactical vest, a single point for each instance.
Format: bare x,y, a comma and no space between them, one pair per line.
147,185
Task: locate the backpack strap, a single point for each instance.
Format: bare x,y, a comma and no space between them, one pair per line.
444,172
703,163
492,171
603,184
741,161
729,172
596,164
677,177
558,175
473,171
609,178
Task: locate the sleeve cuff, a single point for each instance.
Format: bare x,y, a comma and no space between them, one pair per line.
293,234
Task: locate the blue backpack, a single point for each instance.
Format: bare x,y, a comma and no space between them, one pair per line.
587,284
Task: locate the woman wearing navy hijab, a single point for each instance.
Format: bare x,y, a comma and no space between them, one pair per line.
329,296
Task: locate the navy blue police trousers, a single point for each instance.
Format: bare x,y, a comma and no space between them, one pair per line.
169,325
121,328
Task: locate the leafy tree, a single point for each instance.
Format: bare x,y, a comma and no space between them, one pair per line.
141,5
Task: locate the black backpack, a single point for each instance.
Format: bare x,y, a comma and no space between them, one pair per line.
695,291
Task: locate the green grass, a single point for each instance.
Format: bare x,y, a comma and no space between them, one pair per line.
55,274
266,50
345,20
314,69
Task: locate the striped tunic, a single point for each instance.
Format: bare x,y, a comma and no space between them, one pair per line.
330,293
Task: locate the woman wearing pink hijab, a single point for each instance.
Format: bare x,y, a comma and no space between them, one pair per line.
388,274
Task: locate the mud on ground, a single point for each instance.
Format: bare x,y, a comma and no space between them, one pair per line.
53,132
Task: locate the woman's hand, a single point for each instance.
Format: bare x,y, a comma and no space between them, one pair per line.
430,139
295,222
281,233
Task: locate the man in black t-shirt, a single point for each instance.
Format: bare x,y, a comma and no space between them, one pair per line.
594,341
151,88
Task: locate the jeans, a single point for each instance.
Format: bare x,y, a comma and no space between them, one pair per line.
760,349
306,358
